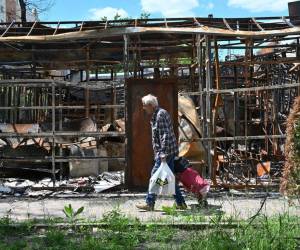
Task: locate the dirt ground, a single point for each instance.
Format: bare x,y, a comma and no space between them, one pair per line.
19,208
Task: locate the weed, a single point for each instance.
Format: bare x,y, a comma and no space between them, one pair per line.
56,238
14,245
170,210
8,229
264,233
163,234
123,230
71,214
92,242
192,218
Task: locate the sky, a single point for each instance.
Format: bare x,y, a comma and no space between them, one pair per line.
74,10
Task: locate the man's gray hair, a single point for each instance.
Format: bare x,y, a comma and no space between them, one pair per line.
150,99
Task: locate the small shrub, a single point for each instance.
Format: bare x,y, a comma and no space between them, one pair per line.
290,181
123,230
170,210
71,214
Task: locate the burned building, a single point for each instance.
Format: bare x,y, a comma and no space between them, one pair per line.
63,82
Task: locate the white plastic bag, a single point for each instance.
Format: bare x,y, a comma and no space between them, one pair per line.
162,181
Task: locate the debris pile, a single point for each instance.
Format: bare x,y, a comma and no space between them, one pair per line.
46,187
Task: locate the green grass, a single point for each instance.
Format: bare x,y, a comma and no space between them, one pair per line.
280,232
122,232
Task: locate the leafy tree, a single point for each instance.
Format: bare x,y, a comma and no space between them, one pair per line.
39,6
145,15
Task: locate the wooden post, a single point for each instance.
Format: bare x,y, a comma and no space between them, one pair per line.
200,80
60,117
53,133
125,69
87,91
208,103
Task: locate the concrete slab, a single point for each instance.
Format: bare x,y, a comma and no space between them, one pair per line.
21,209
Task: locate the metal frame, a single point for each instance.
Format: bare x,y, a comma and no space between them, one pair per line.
53,89
259,85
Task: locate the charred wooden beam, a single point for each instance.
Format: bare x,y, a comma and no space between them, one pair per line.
240,90
119,32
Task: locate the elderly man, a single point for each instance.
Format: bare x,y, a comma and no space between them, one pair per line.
164,145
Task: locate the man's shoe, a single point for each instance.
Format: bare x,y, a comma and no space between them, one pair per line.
181,206
146,207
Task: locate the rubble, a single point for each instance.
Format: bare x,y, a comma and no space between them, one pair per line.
45,187
69,106
6,190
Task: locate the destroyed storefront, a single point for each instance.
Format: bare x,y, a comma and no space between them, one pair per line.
70,96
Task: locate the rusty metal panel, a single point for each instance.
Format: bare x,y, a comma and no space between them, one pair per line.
139,145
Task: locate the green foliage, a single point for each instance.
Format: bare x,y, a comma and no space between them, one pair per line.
263,233
55,239
192,218
71,214
7,229
122,232
161,235
170,210
297,139
15,245
185,61
293,182
5,221
145,15
118,221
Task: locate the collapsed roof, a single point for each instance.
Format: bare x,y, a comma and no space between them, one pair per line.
82,44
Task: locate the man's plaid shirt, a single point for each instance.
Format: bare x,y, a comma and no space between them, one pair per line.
163,136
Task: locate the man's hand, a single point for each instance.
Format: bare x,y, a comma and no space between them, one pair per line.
163,157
